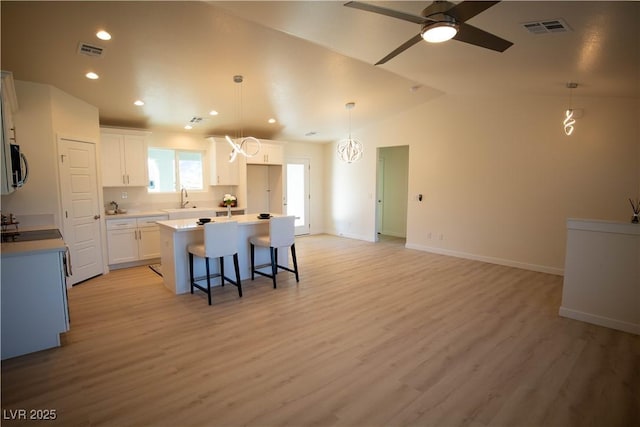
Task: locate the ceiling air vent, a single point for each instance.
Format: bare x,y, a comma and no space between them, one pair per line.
90,49
547,26
195,120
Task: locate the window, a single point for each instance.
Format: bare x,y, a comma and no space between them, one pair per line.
170,170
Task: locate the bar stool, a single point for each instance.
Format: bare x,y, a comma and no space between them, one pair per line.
220,240
281,235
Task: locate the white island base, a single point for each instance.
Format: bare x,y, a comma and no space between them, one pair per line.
176,235
602,274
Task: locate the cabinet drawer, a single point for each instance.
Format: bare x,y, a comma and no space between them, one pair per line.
119,224
150,221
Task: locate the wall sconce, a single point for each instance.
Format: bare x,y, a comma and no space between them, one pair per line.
569,115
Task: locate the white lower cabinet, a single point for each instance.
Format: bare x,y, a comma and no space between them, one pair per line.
34,301
133,239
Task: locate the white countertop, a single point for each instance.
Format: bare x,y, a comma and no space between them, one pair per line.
603,226
32,246
139,214
191,223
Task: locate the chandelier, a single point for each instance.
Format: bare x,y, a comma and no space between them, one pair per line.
239,148
350,149
569,119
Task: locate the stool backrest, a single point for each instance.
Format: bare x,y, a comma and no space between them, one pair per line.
220,238
282,231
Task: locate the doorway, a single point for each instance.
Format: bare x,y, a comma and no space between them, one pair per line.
392,189
297,199
81,210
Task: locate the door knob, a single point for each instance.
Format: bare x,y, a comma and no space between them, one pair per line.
96,216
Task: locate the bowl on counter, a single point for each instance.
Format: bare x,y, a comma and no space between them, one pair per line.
204,220
264,216
122,211
111,212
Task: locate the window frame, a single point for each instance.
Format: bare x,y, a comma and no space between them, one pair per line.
176,164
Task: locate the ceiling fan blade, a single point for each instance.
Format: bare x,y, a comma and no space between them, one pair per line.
406,45
388,12
468,9
472,35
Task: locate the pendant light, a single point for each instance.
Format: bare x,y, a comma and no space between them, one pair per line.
569,119
350,149
239,147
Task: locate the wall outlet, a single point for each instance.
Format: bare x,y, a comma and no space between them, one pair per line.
124,195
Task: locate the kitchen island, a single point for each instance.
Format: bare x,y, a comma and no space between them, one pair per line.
177,234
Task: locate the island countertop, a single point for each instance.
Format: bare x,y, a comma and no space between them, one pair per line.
192,224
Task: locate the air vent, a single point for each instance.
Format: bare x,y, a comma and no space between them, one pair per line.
195,120
547,26
90,49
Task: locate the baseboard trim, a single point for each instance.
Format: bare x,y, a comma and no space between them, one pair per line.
490,260
607,322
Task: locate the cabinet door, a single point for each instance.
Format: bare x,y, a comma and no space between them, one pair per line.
123,245
149,242
222,172
112,171
274,154
135,160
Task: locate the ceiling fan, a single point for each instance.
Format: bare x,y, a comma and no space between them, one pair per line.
441,21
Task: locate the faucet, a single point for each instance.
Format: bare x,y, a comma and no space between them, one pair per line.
183,196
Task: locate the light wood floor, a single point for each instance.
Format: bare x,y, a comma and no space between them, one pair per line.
373,335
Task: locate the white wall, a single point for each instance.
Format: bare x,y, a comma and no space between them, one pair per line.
139,199
45,112
498,175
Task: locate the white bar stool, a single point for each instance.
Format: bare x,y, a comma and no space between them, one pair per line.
220,240
281,235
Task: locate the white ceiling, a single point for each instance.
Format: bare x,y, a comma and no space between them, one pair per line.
302,61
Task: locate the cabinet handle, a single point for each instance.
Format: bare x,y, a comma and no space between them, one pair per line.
123,181
127,178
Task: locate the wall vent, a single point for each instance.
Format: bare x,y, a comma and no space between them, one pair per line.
90,49
547,26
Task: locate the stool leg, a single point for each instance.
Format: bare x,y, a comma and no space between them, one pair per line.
191,270
295,261
276,259
222,271
253,256
273,265
237,268
208,281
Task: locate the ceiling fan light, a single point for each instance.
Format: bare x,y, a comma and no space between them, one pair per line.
439,32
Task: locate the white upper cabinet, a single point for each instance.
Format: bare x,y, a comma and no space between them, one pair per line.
124,158
221,171
270,153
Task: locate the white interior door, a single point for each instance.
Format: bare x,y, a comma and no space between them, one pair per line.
298,196
80,208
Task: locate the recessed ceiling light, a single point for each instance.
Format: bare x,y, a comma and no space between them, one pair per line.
103,35
187,127
139,103
91,75
272,120
213,113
